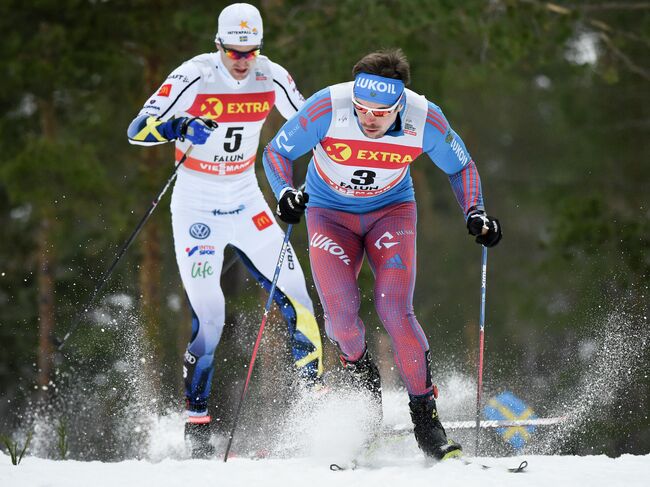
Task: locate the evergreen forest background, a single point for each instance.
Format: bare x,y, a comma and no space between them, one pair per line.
551,99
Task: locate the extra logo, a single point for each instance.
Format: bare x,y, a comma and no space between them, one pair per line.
319,241
211,108
351,152
200,231
387,245
262,221
338,151
165,90
249,107
201,270
200,250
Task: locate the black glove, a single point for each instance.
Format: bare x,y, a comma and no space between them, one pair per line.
486,228
291,206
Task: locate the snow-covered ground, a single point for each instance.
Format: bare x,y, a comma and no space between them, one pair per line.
593,471
300,441
301,452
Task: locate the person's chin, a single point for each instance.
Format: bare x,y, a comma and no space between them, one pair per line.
240,74
372,133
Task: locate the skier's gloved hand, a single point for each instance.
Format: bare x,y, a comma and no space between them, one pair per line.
196,129
291,205
486,228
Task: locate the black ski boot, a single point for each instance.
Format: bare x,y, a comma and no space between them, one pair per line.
429,433
366,376
198,433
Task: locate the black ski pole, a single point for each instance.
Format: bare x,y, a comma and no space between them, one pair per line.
59,343
269,302
481,340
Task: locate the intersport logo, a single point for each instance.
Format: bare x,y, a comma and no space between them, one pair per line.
319,241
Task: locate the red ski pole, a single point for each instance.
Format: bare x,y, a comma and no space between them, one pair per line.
269,302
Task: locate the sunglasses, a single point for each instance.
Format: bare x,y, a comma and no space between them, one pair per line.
237,55
375,112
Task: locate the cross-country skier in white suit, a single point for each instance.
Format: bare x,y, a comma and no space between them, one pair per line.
216,199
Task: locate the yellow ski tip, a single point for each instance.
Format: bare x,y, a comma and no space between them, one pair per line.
453,454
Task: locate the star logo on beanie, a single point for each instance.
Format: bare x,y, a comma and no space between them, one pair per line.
244,25
239,24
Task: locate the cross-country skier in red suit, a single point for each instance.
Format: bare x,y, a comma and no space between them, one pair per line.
359,197
217,200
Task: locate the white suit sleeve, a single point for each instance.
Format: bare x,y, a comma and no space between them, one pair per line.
288,99
176,93
152,124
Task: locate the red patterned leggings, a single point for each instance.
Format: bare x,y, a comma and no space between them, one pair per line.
338,241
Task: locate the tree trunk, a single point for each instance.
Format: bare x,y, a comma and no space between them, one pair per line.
45,281
149,284
149,275
45,267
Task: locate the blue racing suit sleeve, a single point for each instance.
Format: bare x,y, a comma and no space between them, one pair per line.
447,150
300,134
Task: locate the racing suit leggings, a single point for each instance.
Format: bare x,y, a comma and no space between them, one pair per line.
257,239
337,241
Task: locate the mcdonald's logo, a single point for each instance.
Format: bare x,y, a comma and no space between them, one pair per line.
165,90
262,221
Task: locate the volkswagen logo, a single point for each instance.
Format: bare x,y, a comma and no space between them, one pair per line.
200,231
